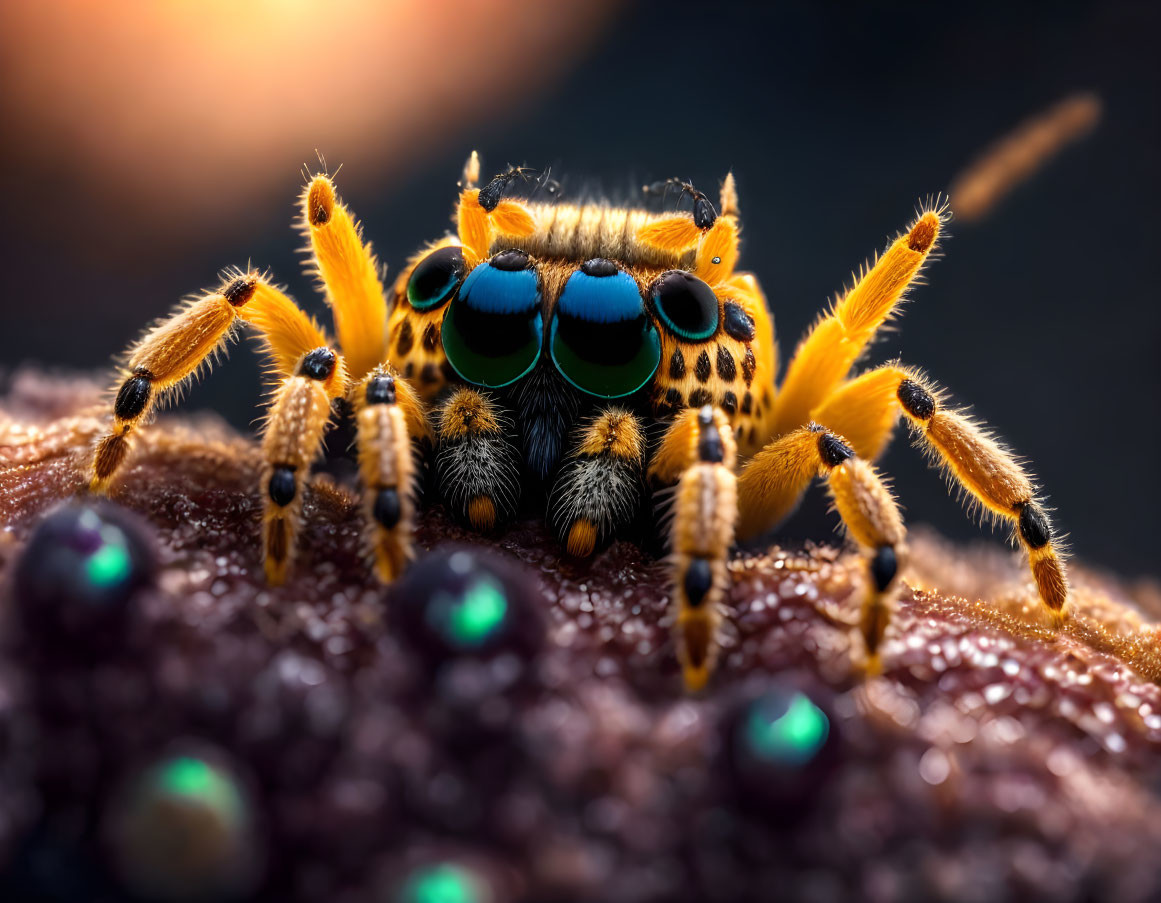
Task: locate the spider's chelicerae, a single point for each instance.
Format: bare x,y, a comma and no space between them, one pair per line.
584,359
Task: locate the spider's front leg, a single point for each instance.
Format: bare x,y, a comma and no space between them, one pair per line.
168,355
773,481
389,416
172,352
311,372
866,408
836,341
698,452
294,431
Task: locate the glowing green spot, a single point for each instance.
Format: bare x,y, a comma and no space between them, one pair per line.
793,736
479,613
198,781
443,883
110,564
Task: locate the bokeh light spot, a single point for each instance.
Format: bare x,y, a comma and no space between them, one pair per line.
110,564
790,733
197,780
442,883
479,613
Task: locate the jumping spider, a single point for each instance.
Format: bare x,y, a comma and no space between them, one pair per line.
585,359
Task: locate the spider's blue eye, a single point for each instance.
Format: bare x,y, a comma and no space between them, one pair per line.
435,278
602,340
493,328
686,306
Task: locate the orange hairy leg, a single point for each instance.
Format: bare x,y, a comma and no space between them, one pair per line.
168,354
705,508
773,481
291,439
993,477
863,410
983,467
388,416
350,275
825,356
174,351
871,516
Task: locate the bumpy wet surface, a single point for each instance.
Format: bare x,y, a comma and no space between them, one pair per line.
507,724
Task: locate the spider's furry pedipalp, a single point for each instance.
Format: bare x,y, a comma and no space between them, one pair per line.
476,461
599,488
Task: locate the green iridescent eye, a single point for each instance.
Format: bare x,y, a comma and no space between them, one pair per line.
601,339
686,306
435,278
493,328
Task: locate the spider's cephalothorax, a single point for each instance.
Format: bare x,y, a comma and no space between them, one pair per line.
583,360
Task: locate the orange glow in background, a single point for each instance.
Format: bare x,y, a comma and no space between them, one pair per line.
150,108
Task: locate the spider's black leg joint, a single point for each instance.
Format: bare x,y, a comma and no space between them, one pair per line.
884,566
493,192
704,212
1034,526
916,400
387,508
134,395
380,390
832,449
709,440
318,364
698,581
282,486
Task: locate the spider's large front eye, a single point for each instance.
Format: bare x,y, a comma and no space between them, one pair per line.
686,306
435,278
493,328
602,340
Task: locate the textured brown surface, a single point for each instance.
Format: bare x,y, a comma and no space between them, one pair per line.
993,760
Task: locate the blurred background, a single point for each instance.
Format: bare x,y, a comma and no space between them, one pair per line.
148,145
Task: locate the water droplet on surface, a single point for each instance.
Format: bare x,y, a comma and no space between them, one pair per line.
780,745
443,882
183,829
80,570
467,602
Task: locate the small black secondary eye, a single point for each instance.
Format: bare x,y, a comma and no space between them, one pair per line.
686,306
435,278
